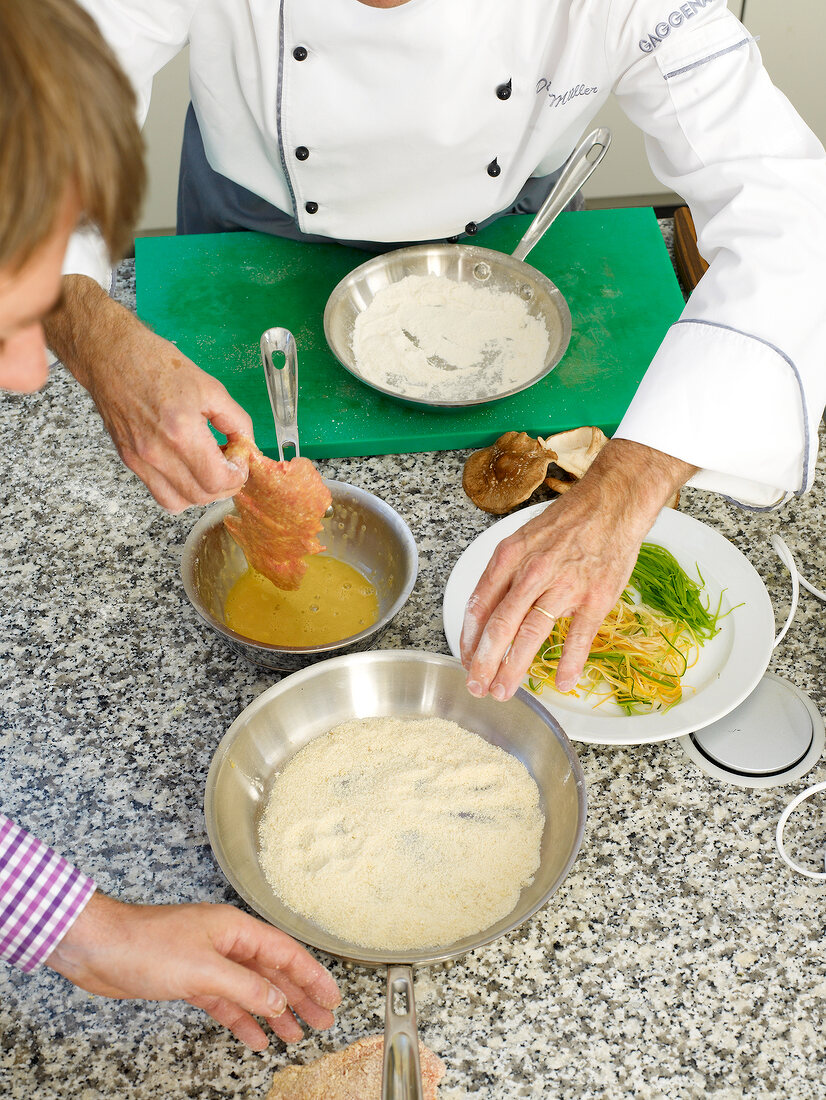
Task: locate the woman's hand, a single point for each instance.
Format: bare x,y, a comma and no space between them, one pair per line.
213,956
573,559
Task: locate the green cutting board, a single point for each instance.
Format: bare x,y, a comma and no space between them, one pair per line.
214,295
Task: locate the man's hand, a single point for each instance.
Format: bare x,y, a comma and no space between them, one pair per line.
155,403
213,956
573,559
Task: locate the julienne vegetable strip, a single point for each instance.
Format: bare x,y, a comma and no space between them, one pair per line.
643,649
664,585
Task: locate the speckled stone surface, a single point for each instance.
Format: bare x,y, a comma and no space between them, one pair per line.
680,958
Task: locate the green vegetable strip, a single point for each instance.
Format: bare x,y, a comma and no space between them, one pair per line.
664,585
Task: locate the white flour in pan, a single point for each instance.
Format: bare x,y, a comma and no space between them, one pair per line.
401,833
433,338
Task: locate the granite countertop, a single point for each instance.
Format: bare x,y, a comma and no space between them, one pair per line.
680,958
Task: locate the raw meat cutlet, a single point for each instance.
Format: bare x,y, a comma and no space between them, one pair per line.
350,1074
280,509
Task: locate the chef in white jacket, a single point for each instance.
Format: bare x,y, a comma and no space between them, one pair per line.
395,121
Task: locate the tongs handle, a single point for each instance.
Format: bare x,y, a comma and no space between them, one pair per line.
282,386
578,168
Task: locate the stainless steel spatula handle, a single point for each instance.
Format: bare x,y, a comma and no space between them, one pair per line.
577,170
282,386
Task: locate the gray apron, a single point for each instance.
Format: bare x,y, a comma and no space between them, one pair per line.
210,203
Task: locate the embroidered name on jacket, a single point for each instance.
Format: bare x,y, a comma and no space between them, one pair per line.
673,20
554,100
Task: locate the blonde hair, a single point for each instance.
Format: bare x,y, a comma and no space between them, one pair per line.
67,119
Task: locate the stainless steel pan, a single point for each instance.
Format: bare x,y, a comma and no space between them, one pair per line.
466,263
392,682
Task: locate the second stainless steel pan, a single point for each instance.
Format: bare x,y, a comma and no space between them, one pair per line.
391,682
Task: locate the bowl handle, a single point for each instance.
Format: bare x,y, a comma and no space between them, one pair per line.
401,1073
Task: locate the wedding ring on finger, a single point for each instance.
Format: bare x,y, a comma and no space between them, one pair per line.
547,614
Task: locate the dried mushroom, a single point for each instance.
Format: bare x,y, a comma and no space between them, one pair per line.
576,450
499,477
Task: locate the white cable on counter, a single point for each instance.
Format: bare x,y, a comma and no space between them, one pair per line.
781,825
785,555
811,588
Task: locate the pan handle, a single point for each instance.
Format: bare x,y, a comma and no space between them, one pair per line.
578,168
401,1073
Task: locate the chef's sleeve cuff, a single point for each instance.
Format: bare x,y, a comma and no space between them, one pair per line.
731,404
41,896
87,254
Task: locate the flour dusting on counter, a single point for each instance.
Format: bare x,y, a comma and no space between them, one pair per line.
399,833
432,338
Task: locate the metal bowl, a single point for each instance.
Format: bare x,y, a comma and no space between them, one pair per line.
404,683
361,530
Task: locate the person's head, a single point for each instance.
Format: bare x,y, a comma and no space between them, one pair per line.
70,153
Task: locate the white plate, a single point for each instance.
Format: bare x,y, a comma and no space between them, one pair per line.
729,665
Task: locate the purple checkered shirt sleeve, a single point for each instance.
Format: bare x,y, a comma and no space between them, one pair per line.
41,895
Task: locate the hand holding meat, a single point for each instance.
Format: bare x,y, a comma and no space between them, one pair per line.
213,956
157,404
573,559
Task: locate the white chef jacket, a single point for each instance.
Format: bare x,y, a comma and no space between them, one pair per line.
385,121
